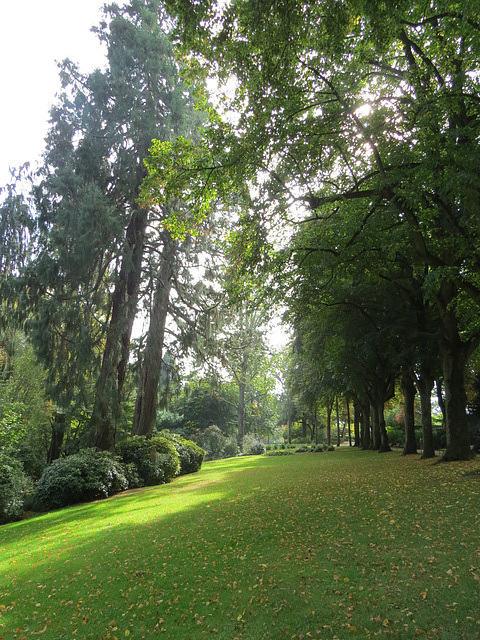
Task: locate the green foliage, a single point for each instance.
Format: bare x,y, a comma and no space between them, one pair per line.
14,485
156,459
81,477
280,452
189,453
214,441
12,426
256,449
230,449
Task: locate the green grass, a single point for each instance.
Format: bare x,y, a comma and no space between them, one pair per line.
342,545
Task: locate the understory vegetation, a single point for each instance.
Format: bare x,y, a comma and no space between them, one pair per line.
350,545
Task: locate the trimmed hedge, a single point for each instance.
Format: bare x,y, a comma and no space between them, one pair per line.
190,454
82,477
156,459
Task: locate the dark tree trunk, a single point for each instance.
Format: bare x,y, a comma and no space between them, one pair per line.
241,414
384,446
58,434
356,424
109,389
408,389
348,423
375,441
329,425
454,354
146,403
366,427
337,415
425,383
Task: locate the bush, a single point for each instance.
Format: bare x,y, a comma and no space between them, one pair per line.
156,459
231,449
318,448
14,486
84,476
189,453
256,449
279,452
303,449
214,441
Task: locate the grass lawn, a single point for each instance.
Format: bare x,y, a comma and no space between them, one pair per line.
347,544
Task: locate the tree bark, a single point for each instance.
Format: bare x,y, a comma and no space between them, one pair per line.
147,396
425,383
109,389
356,424
454,353
58,434
329,425
241,414
408,389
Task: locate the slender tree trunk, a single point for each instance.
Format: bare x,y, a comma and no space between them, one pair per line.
304,426
146,403
454,354
337,414
329,424
408,389
425,385
356,424
241,414
384,446
109,389
348,423
366,430
375,443
58,434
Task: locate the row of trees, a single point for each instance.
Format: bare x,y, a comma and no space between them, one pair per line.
337,173
357,125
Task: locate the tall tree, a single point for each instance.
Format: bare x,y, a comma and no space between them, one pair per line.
83,284
354,102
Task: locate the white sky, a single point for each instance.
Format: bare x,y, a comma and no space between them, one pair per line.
34,34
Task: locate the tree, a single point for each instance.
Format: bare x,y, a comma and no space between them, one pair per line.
81,289
369,105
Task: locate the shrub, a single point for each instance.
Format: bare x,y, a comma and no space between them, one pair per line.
189,453
230,449
318,448
303,449
156,459
279,452
14,486
214,441
84,476
256,449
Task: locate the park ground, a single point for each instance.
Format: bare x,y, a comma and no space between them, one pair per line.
337,545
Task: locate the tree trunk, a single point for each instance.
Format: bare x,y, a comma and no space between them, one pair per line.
109,389
384,446
356,424
241,414
375,442
454,353
425,385
147,396
408,389
366,431
58,433
338,421
329,425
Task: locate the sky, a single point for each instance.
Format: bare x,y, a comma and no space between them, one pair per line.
34,35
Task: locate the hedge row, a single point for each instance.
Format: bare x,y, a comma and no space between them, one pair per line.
92,474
